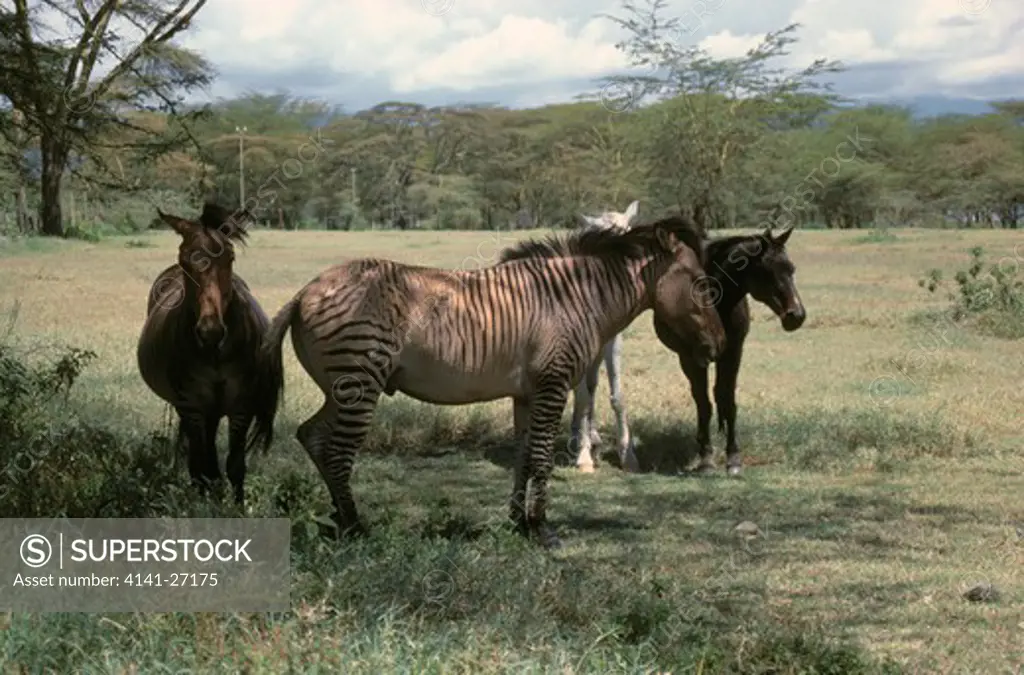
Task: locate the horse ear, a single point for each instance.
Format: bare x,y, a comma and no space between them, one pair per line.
780,240
179,225
584,221
632,210
667,239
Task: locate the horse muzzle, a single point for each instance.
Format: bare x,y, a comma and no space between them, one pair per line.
793,319
211,334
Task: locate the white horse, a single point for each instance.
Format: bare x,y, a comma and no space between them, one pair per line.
584,431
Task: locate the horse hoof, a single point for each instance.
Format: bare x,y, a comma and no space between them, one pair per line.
354,530
547,538
517,525
705,470
630,464
339,529
734,471
585,468
328,531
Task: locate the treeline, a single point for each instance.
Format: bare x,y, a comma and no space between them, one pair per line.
729,139
406,165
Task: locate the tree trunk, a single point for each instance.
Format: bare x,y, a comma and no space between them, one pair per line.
24,223
51,220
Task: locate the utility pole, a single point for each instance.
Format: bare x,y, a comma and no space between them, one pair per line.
241,166
355,197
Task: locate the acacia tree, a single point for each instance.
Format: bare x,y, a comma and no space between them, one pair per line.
74,112
715,110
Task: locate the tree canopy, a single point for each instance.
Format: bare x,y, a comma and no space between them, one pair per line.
738,141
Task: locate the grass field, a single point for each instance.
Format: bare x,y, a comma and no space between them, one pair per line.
883,467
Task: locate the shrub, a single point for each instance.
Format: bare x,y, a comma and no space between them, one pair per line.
54,463
462,218
991,300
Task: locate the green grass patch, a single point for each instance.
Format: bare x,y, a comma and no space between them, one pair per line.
877,236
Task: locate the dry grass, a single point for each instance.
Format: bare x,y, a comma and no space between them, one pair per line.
884,462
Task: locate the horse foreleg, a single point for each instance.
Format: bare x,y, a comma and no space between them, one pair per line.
698,377
727,370
238,426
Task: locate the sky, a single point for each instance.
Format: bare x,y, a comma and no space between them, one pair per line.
519,53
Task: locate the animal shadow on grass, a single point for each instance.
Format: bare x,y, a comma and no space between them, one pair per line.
405,428
665,448
662,449
439,488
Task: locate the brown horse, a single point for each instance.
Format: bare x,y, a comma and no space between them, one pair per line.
757,265
199,349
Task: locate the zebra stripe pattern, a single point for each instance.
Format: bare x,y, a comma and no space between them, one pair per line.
526,328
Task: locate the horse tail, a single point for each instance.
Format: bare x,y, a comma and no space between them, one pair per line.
269,386
270,392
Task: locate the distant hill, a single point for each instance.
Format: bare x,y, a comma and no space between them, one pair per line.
930,106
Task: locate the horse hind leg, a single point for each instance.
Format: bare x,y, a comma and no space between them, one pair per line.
546,408
332,437
308,430
517,502
592,380
583,431
626,446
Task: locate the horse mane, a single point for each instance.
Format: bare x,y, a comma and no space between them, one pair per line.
225,226
634,243
723,246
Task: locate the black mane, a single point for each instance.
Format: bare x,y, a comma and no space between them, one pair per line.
720,250
637,242
216,219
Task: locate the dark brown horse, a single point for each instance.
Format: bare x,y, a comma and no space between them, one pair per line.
200,349
757,265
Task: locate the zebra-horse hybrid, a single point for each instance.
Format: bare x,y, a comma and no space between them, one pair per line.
526,328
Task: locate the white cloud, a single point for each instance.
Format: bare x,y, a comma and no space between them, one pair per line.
725,45
531,48
517,51
855,46
1009,61
940,33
